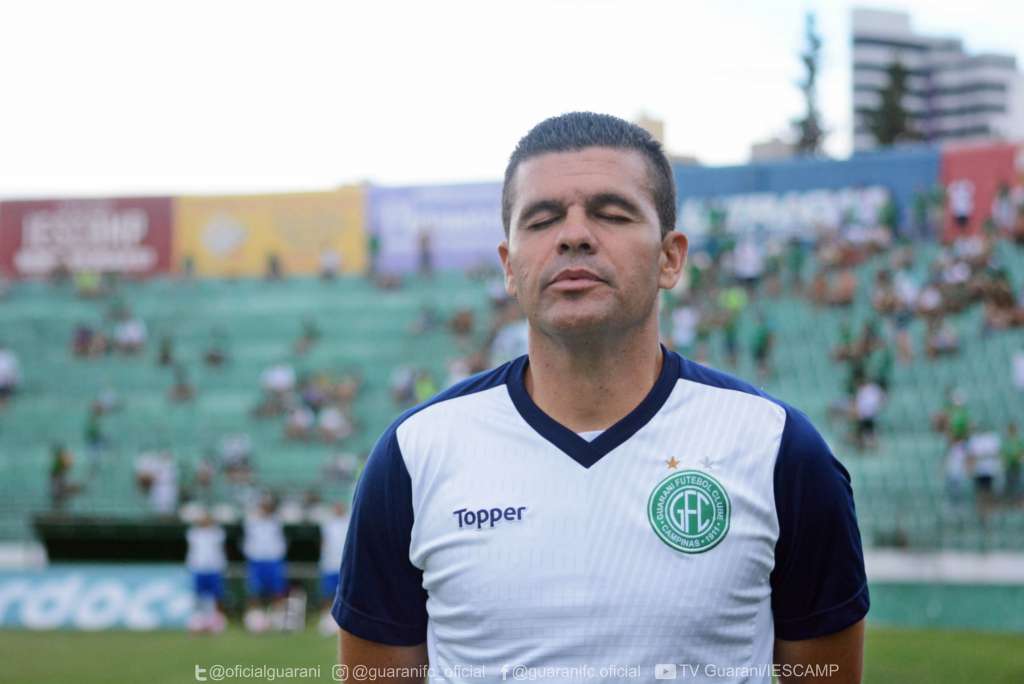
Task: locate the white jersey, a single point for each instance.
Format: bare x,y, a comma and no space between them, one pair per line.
205,549
706,523
333,530
264,539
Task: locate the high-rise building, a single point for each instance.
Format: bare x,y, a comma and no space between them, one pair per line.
951,95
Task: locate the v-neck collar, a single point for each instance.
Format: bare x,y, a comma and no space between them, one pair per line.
580,450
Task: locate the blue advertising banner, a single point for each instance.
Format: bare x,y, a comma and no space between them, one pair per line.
95,597
812,186
460,225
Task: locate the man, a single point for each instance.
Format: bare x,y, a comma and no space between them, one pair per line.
600,503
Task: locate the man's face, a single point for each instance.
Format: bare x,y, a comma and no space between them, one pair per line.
585,253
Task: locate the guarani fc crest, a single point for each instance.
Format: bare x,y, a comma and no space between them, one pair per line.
689,511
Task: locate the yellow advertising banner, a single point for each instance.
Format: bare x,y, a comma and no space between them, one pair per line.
238,235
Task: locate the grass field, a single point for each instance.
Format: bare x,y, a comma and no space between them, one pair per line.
169,658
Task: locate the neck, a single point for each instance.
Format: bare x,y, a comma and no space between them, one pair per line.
591,384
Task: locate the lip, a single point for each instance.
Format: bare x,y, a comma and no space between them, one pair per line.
575,280
575,275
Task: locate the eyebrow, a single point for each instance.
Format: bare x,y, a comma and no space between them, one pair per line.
605,199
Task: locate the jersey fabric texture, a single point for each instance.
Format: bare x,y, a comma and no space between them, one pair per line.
704,524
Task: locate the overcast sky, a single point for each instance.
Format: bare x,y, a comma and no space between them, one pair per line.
106,98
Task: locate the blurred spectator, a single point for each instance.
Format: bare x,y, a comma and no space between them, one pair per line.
372,254
309,337
182,390
299,424
130,335
1012,453
1017,235
330,263
341,466
402,385
425,386
333,530
843,292
1003,210
957,474
206,561
867,404
1017,369
88,342
278,382
427,320
89,284
426,253
961,203
156,474
10,374
61,486
165,355
732,301
461,323
216,354
762,345
235,457
95,440
685,322
942,338
106,401
748,263
333,424
796,257
5,286
264,548
510,335
983,452
954,420
275,271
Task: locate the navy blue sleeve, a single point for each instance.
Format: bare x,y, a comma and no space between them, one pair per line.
818,584
380,592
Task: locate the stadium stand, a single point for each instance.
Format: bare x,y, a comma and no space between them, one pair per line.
900,488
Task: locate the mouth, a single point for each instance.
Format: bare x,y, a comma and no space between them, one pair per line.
572,279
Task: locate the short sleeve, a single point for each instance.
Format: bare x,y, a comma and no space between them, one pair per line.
380,593
819,586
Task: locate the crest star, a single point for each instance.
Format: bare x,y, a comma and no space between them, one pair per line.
672,463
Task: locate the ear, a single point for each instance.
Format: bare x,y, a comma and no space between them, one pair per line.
674,247
506,266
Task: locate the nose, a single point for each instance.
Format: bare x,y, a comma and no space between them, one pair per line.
575,234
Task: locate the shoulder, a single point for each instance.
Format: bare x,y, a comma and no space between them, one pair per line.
801,446
469,388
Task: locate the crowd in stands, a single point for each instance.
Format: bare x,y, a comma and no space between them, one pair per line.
722,303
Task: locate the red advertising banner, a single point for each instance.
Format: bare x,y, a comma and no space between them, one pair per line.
972,177
123,235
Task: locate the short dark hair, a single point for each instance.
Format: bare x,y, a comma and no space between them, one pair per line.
578,130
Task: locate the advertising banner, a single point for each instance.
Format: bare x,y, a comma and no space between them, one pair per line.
972,177
94,597
130,236
816,185
233,236
791,213
462,225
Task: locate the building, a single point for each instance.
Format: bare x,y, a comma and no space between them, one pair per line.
772,149
654,126
952,95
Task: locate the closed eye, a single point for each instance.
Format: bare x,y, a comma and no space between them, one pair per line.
544,223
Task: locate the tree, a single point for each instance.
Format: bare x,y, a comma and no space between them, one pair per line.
890,122
809,132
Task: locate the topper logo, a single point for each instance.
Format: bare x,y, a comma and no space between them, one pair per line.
468,518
